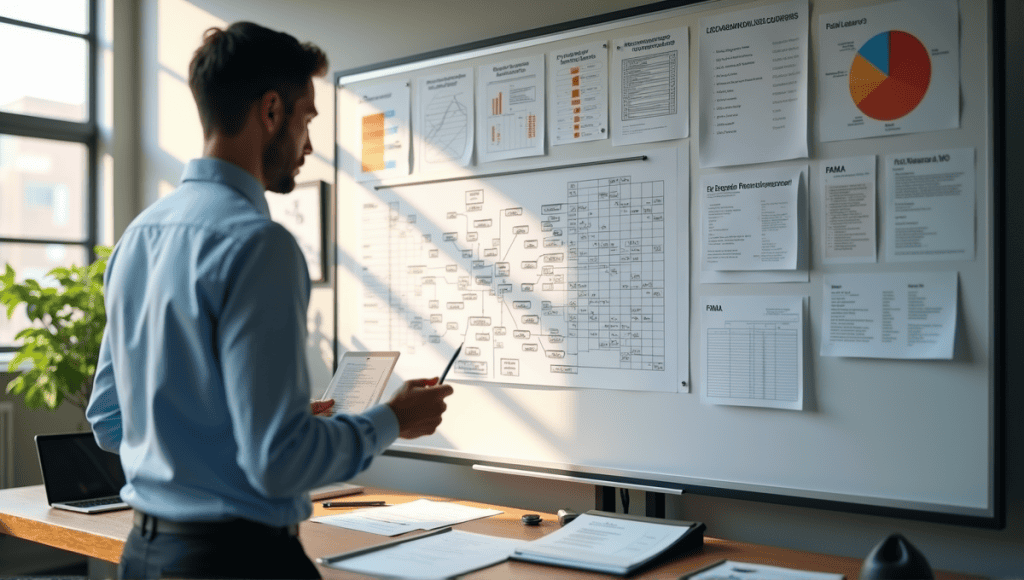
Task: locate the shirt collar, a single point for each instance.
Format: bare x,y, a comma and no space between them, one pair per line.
229,174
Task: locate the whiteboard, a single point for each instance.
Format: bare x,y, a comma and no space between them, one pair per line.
908,438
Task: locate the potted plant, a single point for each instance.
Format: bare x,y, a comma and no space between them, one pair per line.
63,341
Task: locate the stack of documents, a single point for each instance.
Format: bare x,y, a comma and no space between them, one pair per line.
421,514
611,543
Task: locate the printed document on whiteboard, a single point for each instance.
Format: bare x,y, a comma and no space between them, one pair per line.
889,69
930,206
510,109
444,120
753,351
848,193
578,80
753,85
378,130
898,316
754,226
650,81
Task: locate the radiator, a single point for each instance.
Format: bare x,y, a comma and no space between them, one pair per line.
6,445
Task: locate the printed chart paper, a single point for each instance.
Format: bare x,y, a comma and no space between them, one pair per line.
753,85
747,221
420,514
446,555
567,277
379,131
930,206
650,87
444,121
898,316
889,69
848,204
578,82
753,351
510,109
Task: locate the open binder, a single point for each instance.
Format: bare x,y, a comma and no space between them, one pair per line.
612,543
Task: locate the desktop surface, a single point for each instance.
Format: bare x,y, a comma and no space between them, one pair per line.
24,513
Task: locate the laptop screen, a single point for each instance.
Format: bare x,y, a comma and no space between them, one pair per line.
75,468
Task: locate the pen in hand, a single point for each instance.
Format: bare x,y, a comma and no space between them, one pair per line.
450,363
341,504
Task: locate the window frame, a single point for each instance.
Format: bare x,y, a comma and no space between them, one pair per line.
87,133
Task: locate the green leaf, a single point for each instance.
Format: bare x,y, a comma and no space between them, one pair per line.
64,337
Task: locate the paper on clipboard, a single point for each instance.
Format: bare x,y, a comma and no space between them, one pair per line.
360,380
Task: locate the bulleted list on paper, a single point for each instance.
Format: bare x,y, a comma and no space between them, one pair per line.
898,316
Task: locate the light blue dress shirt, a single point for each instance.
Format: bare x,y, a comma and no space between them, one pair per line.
202,385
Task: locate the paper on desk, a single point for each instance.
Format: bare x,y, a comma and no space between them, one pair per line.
594,542
440,556
421,514
730,570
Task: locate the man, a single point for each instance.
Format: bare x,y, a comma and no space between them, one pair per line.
202,385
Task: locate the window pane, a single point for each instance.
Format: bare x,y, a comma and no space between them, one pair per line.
42,189
72,15
44,74
32,261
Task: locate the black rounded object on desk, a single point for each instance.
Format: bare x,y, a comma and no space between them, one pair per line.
532,519
898,559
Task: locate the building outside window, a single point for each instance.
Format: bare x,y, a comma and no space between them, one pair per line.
48,141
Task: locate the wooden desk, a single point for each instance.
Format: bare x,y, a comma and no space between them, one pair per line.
25,514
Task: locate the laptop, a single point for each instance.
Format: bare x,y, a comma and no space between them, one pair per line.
78,475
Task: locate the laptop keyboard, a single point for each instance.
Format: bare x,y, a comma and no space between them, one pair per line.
95,502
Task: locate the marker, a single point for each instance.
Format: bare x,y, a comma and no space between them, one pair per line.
450,363
339,504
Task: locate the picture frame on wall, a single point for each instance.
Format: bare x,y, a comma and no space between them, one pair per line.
302,213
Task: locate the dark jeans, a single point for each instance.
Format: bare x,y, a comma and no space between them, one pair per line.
253,553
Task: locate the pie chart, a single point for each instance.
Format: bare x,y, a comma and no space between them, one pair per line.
890,75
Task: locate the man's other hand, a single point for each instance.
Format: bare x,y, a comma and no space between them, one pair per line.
419,406
322,408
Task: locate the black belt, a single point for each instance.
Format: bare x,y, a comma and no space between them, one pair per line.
150,526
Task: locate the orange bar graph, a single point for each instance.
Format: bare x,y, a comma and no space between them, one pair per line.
373,142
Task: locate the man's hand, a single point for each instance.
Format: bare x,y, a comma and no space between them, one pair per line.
322,408
418,406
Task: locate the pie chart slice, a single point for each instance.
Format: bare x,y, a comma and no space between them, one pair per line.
890,75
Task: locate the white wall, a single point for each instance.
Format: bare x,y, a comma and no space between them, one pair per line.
363,32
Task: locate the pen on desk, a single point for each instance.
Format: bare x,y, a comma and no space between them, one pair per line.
361,551
450,363
337,504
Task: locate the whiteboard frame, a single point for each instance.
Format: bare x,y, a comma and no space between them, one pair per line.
991,517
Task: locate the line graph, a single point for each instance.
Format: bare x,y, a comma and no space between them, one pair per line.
446,130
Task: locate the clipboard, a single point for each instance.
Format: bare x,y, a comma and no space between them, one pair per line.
360,380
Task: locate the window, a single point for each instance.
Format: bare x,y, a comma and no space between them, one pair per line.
48,140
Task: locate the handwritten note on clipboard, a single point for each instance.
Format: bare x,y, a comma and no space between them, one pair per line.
360,380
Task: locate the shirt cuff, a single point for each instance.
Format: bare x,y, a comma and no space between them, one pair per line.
385,424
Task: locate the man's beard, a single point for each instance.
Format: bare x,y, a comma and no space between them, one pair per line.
276,169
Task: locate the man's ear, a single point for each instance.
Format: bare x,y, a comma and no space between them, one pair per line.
271,112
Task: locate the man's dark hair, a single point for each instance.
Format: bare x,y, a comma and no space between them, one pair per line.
236,66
